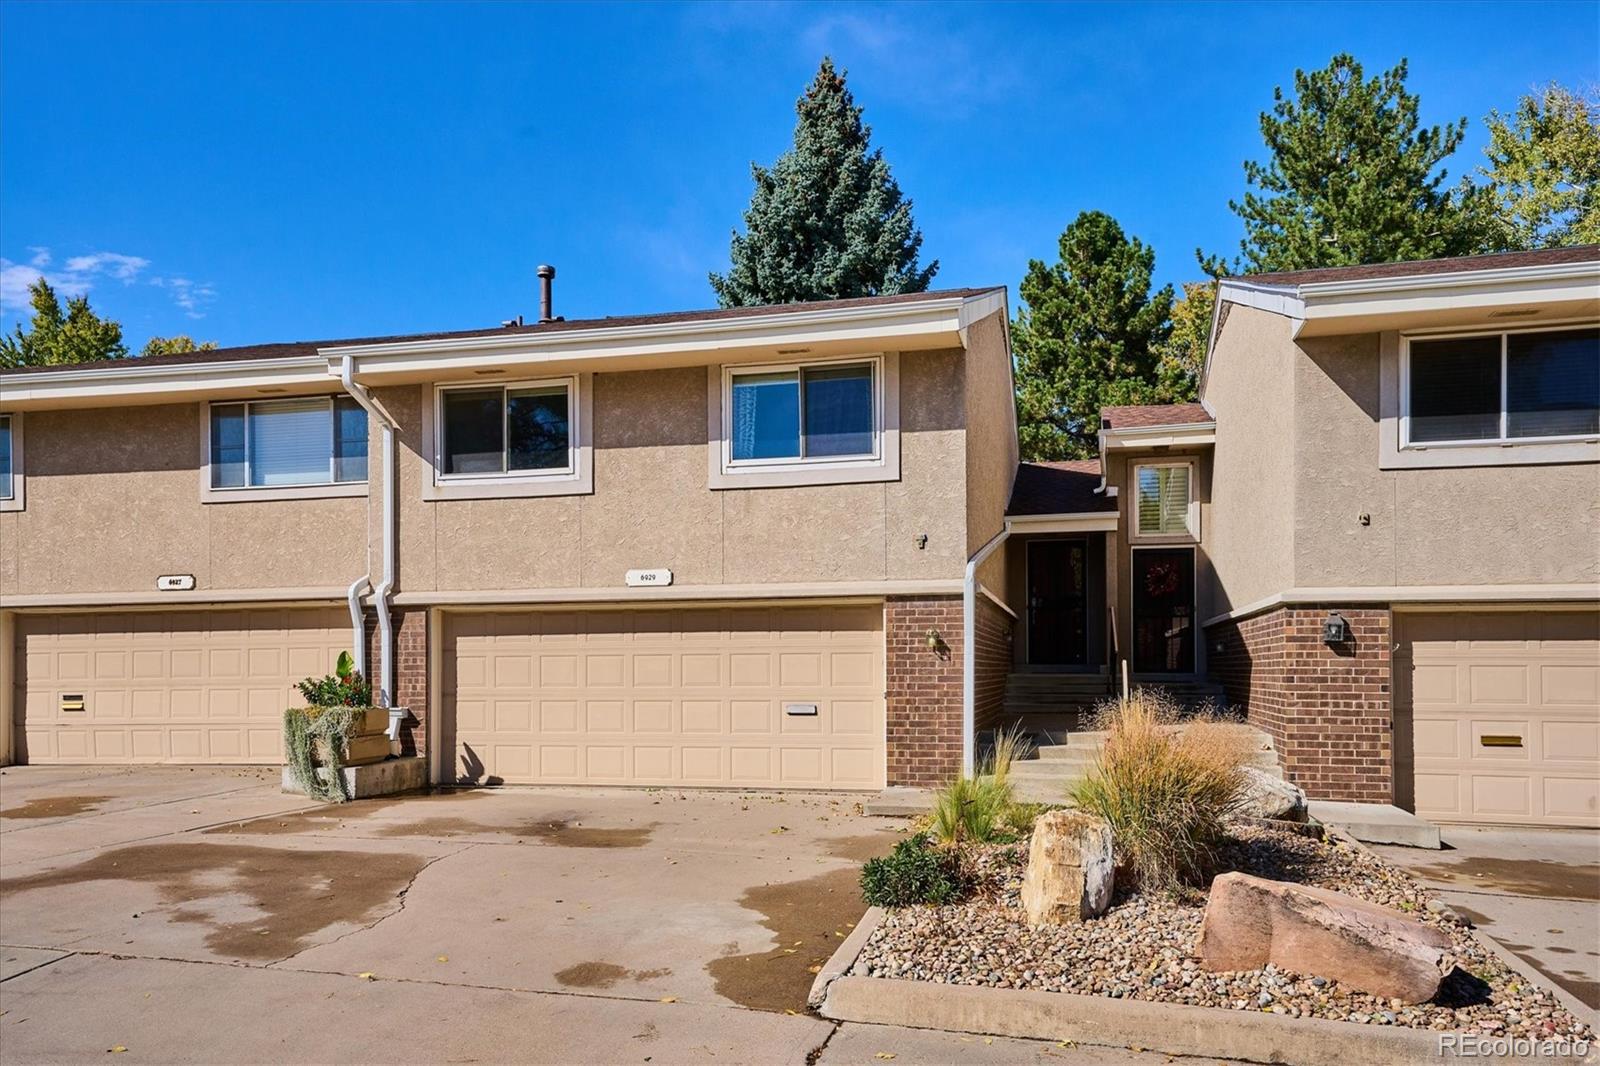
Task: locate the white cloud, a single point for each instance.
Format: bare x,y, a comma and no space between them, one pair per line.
188,294
79,274
125,268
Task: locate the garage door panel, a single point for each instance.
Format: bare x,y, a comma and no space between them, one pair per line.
1505,715
167,686
658,697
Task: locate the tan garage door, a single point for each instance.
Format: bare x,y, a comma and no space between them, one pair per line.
166,686
1505,712
695,696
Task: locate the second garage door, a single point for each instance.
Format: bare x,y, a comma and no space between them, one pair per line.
199,686
788,697
1504,712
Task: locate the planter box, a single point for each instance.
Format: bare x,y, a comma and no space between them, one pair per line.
372,779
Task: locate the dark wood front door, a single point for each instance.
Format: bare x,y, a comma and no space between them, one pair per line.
1163,610
1058,613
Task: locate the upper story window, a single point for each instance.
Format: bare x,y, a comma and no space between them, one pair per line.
1523,387
817,413
270,444
1164,500
522,430
7,482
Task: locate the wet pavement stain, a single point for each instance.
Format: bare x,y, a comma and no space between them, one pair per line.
57,807
809,919
291,895
604,975
1520,877
862,848
567,833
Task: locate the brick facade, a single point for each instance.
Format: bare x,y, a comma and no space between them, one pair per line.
992,662
410,672
923,689
1329,709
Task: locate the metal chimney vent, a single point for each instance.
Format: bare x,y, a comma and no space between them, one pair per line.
547,274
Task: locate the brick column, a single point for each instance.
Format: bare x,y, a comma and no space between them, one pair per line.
923,689
1328,708
410,672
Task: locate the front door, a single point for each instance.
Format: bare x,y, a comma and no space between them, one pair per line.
1058,613
1163,610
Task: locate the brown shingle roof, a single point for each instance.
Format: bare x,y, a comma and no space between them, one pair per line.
1582,253
1142,416
1058,488
309,348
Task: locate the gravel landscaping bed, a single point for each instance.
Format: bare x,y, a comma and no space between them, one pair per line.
1143,947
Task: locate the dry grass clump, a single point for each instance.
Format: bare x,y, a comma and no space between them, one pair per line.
1166,783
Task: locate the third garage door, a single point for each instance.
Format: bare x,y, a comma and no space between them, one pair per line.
1504,712
697,696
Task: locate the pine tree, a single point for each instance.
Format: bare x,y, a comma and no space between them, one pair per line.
1544,169
1353,178
76,336
828,221
1090,337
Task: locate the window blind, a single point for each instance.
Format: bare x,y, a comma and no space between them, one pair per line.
1163,499
290,442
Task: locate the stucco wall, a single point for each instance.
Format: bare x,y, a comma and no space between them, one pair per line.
113,501
992,449
1454,526
1249,535
651,506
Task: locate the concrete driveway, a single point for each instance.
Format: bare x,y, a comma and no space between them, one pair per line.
1535,891
202,916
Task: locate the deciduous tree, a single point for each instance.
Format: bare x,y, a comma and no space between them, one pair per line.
1544,169
76,335
174,345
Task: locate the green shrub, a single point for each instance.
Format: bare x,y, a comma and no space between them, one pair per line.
914,872
345,687
1165,789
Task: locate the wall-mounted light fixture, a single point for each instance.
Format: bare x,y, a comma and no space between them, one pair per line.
1335,630
932,637
922,541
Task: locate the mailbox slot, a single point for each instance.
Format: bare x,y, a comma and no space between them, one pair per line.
72,702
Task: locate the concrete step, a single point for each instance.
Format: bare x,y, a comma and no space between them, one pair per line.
1375,823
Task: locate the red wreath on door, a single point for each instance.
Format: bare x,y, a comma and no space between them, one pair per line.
1161,579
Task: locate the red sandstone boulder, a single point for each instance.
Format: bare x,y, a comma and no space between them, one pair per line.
1250,921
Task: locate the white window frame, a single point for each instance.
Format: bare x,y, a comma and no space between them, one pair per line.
312,490
1503,440
1191,520
576,478
883,464
14,502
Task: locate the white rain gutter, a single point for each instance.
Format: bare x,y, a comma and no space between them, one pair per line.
969,650
384,687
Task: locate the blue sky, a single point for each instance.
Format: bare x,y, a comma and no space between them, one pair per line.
254,173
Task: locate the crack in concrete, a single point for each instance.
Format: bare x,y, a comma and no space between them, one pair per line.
404,895
815,1054
40,966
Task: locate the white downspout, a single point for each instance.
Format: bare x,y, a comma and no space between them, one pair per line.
969,651
384,687
358,630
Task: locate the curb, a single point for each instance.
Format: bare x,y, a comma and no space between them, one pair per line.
1172,1028
844,957
1579,1009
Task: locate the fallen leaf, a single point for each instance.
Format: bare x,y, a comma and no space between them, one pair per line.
790,951
884,1055
119,1049
790,1011
813,969
988,1040
367,975
669,999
